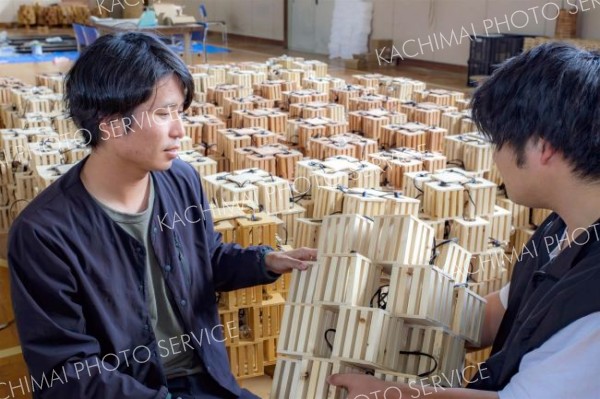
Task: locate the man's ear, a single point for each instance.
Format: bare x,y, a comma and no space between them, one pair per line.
546,151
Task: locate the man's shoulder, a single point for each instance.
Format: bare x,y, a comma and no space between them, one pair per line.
56,201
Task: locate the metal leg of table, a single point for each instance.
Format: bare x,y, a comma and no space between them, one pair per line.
187,48
204,49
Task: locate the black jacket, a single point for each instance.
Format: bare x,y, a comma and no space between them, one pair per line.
545,296
78,288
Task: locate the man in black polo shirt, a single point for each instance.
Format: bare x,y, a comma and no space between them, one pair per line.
541,110
115,266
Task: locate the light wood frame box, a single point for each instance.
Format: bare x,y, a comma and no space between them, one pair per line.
246,360
520,214
303,285
364,205
303,330
421,294
427,115
455,261
289,217
242,298
286,163
343,234
398,168
274,194
473,235
367,336
400,239
320,178
488,265
227,318
451,121
481,198
415,138
443,200
500,224
346,280
307,232
413,183
478,156
469,313
444,346
467,125
260,231
328,200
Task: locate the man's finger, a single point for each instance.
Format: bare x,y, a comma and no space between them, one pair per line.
340,380
296,264
305,253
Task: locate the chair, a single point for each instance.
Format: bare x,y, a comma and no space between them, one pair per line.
91,34
178,40
85,35
207,23
79,36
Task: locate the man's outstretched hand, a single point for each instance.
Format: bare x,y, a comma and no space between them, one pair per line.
285,262
362,386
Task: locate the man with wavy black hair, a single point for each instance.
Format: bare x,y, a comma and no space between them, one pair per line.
541,110
115,266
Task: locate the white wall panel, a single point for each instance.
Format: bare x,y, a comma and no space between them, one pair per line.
255,18
411,28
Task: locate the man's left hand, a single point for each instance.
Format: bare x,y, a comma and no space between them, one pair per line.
285,262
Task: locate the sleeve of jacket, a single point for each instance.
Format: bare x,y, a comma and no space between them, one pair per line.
52,326
234,267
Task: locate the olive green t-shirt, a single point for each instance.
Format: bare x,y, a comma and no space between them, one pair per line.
165,322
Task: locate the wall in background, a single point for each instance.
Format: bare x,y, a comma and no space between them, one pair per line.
589,23
255,18
428,20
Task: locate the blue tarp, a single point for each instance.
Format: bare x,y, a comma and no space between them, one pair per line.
72,55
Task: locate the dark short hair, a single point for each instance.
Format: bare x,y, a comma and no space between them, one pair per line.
550,92
116,74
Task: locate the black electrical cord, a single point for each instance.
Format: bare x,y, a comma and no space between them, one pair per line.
457,162
329,344
434,253
495,242
381,298
417,187
418,353
471,199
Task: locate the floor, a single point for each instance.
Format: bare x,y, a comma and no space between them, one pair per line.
249,50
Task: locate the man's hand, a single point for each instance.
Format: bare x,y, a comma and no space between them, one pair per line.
285,262
363,386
